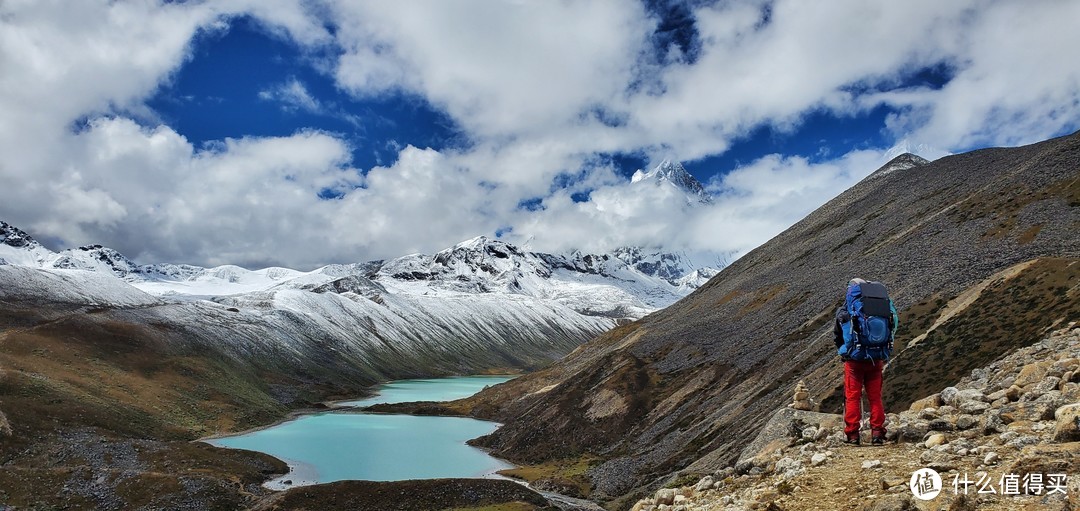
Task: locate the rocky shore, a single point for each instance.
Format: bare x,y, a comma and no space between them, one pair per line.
1006,437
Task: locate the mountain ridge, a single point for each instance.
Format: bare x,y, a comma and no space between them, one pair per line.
678,389
477,265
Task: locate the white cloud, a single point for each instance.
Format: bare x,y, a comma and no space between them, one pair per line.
539,90
751,204
1017,81
293,96
501,69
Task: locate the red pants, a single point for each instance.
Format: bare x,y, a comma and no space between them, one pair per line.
856,375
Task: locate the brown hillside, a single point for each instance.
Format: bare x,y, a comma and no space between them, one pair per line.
687,387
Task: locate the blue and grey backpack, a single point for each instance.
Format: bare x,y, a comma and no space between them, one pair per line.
873,322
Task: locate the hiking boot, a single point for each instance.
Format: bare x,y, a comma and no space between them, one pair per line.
852,439
877,437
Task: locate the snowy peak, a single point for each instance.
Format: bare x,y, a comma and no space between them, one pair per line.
903,162
96,258
14,237
674,174
19,248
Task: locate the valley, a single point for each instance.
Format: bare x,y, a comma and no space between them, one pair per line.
109,370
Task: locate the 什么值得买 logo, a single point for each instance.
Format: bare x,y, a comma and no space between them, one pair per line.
926,484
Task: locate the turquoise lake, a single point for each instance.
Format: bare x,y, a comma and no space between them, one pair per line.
334,446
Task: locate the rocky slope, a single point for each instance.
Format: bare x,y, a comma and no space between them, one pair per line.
996,427
979,251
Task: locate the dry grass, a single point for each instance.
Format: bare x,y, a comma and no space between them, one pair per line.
569,473
1007,315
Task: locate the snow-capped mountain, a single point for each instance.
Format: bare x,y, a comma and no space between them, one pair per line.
595,285
673,174
628,283
17,247
482,303
901,162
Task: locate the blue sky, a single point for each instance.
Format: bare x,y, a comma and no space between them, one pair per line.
304,132
228,90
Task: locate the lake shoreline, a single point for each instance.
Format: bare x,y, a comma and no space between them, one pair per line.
336,406
304,474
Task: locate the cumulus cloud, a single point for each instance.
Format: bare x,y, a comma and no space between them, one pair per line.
1016,81
750,205
540,90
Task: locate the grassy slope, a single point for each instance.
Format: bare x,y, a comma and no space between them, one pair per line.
103,412
697,378
102,407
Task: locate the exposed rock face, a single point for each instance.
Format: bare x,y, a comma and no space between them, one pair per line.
985,242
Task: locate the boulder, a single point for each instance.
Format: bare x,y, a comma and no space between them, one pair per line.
939,461
706,483
1028,411
913,432
644,504
965,422
941,425
1047,384
665,496
780,429
1046,459
973,407
1067,428
818,459
948,395
892,481
1068,364
5,426
1070,391
931,401
993,423
1032,373
935,440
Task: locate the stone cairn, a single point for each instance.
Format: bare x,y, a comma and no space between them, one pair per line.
802,399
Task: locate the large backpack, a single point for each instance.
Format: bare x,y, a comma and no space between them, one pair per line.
873,321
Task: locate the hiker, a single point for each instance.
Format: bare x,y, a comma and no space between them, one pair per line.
863,333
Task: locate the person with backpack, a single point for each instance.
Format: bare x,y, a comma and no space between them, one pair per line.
863,333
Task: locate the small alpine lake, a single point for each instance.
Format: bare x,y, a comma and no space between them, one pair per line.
340,445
